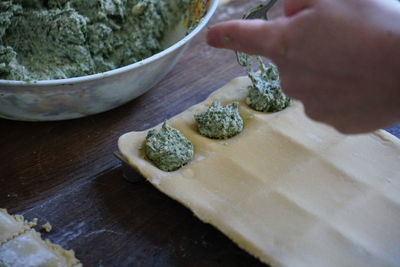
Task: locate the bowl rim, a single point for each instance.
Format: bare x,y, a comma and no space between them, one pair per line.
203,21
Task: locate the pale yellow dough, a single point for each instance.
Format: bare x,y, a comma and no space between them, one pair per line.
23,246
47,227
30,250
288,190
11,226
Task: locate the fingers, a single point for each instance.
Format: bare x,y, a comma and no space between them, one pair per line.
292,7
315,92
256,37
320,105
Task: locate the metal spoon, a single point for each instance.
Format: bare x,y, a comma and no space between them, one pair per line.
258,12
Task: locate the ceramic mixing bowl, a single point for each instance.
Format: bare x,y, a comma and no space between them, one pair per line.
82,96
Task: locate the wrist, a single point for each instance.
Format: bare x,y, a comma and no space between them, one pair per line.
396,69
391,53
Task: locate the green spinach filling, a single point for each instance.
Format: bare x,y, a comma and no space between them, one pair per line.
56,39
168,149
265,93
220,122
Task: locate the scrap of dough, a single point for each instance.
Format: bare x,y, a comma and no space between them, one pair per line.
288,190
12,226
30,250
47,227
22,246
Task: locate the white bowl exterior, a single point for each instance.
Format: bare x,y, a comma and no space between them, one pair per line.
74,100
83,96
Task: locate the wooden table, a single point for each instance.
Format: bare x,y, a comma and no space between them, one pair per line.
65,173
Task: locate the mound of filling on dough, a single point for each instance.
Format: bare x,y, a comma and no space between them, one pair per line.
220,122
168,149
265,94
56,39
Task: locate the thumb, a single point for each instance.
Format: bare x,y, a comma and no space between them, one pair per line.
255,37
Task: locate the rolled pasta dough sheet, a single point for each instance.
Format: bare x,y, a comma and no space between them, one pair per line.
29,250
22,246
11,226
290,191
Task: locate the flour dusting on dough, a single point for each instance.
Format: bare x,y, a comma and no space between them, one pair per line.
155,180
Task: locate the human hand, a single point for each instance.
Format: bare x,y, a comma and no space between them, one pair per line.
341,58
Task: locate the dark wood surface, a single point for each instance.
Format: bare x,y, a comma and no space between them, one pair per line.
65,173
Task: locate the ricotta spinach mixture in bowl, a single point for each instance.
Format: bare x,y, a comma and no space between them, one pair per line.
57,39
